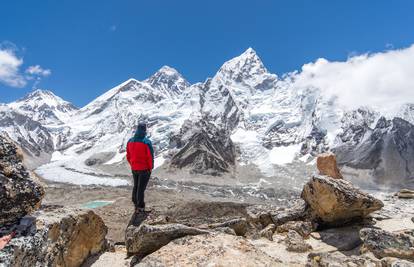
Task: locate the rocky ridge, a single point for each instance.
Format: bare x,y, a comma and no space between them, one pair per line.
41,235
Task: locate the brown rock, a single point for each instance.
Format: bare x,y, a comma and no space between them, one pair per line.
57,237
295,242
337,201
304,228
268,231
210,250
326,164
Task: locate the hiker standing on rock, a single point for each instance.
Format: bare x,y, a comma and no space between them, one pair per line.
140,156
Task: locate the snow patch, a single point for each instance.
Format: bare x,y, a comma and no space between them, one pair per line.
284,154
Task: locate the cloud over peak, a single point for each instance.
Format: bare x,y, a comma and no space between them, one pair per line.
384,81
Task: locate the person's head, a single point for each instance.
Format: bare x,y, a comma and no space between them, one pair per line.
141,130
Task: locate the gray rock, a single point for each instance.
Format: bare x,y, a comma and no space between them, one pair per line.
19,194
406,193
145,239
386,244
337,201
295,213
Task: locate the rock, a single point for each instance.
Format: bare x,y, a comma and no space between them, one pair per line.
224,230
145,239
57,237
405,193
337,259
395,262
304,228
298,212
295,242
240,226
19,194
386,244
326,164
268,232
209,250
337,201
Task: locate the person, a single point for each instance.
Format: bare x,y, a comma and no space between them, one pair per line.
140,155
4,240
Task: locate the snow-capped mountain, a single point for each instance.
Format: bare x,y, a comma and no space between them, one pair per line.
45,107
34,139
269,120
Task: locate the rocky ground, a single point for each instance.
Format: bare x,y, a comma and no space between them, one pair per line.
206,223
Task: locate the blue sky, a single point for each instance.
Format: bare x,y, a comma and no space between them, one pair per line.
83,48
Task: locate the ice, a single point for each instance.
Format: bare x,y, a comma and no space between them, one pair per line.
284,154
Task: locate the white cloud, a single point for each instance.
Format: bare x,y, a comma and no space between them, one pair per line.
37,70
383,81
11,73
9,69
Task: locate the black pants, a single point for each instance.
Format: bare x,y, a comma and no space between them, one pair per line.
141,179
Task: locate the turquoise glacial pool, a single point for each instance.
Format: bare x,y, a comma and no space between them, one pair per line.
96,204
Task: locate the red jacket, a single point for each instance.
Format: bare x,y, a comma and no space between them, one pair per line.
140,154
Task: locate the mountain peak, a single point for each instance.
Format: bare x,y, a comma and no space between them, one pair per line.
44,106
246,65
168,80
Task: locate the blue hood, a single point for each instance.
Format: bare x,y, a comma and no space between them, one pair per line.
140,133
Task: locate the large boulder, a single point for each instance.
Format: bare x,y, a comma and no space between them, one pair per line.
336,201
55,237
19,194
326,164
386,244
210,250
145,239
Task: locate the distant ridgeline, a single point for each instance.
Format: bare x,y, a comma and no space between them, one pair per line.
240,115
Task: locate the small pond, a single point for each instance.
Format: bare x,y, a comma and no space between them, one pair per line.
96,204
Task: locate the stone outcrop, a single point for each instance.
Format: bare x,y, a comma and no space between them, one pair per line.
326,164
145,239
19,194
336,201
386,244
210,250
55,237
